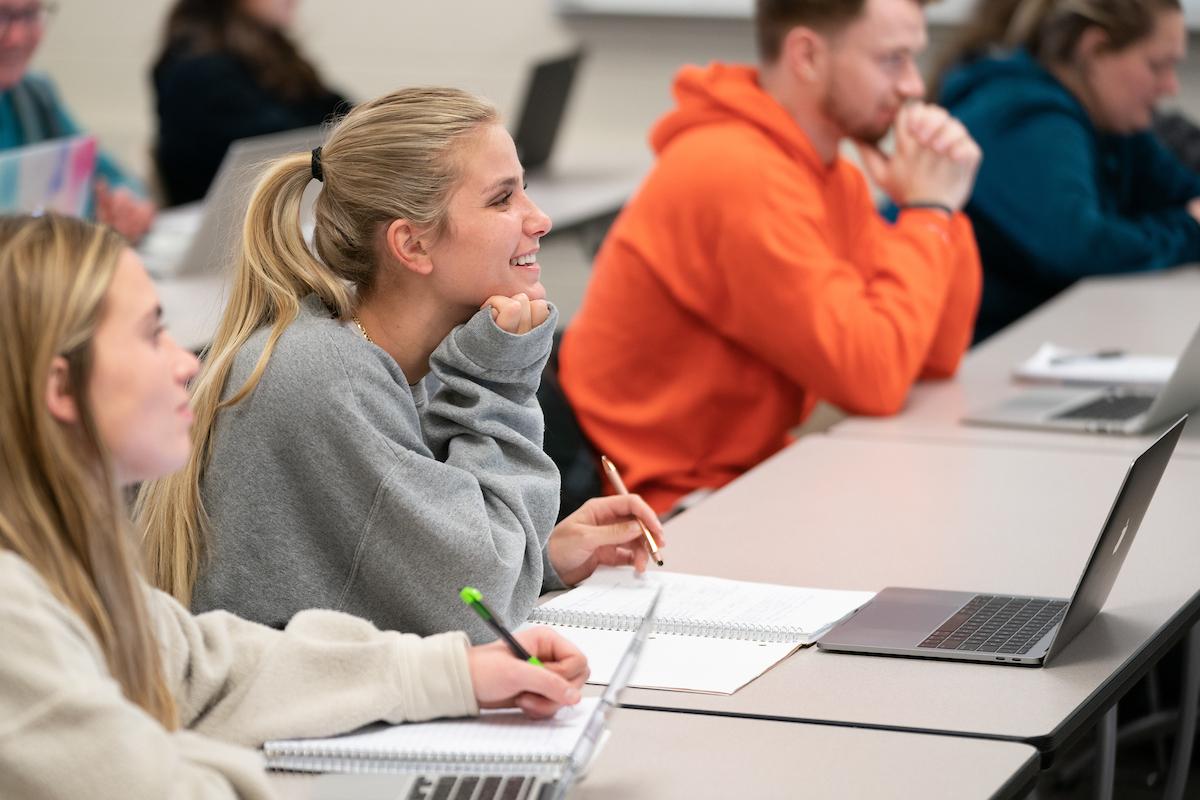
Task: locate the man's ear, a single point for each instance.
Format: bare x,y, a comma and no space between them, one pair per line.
59,397
402,243
805,53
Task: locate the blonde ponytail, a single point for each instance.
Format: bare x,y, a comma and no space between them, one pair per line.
388,159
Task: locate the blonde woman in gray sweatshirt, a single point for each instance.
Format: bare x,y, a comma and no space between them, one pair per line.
109,689
326,470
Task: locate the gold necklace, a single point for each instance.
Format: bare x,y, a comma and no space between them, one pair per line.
362,330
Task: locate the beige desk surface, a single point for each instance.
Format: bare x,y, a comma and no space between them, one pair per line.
706,756
1151,314
848,513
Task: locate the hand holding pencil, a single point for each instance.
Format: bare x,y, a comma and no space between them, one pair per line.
502,681
610,531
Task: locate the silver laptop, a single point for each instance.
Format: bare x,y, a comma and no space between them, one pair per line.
204,236
514,786
1106,410
1004,629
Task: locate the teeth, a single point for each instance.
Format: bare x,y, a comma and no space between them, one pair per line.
525,260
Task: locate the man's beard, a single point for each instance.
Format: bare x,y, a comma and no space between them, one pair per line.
836,107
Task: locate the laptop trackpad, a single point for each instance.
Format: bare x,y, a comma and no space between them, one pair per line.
898,617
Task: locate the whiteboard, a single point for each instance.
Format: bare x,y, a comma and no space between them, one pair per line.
946,12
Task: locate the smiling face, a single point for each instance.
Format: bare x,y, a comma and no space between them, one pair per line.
872,69
138,383
490,243
20,34
1122,87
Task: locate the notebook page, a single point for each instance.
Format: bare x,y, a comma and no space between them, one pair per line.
494,734
702,601
1054,364
681,663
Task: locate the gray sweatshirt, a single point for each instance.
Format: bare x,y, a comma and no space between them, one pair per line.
337,485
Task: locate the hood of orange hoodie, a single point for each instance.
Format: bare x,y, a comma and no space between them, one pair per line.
719,93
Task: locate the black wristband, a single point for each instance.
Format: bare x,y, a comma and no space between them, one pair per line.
929,207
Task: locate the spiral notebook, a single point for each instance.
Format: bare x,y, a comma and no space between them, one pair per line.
497,742
710,634
499,756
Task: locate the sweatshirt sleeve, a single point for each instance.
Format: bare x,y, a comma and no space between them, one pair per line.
465,494
855,323
1050,206
1160,179
957,323
324,674
68,731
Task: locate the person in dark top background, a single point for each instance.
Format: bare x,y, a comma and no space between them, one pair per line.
228,70
1060,97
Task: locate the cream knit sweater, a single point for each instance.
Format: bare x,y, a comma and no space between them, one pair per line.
67,730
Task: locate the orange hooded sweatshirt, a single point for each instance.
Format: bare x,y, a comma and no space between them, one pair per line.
745,281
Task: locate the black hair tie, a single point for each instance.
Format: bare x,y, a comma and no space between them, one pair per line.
317,172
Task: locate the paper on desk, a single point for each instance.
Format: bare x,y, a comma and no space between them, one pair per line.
1123,370
682,663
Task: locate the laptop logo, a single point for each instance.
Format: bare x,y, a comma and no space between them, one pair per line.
1121,538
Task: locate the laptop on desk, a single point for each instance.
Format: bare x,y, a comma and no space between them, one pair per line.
513,786
203,237
543,108
1005,629
1106,410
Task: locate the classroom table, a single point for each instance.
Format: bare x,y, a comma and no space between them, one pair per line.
1152,314
845,513
664,756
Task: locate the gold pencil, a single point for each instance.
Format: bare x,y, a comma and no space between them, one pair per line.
610,469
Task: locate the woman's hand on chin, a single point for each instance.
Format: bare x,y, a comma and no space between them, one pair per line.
517,314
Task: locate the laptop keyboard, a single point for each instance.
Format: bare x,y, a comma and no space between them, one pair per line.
997,624
474,787
1110,407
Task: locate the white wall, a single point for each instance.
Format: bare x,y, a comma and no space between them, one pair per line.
100,53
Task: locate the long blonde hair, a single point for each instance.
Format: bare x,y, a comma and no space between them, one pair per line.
60,508
390,158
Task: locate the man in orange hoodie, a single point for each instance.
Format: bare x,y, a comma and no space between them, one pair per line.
752,276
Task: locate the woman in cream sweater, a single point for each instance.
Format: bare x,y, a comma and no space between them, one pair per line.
107,687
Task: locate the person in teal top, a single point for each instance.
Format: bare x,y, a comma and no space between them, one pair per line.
1060,97
31,112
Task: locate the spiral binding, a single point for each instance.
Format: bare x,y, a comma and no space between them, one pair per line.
297,757
679,626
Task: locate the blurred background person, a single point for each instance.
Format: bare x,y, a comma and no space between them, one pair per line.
1060,95
229,70
31,112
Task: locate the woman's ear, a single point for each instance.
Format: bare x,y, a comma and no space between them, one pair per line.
59,398
402,242
1092,42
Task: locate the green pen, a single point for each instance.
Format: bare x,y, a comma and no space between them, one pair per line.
474,598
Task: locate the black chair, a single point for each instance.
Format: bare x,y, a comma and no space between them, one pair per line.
565,443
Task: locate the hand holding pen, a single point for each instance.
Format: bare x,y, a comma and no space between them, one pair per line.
535,670
609,531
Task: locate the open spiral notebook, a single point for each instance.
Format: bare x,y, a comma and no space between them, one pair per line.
497,742
710,634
